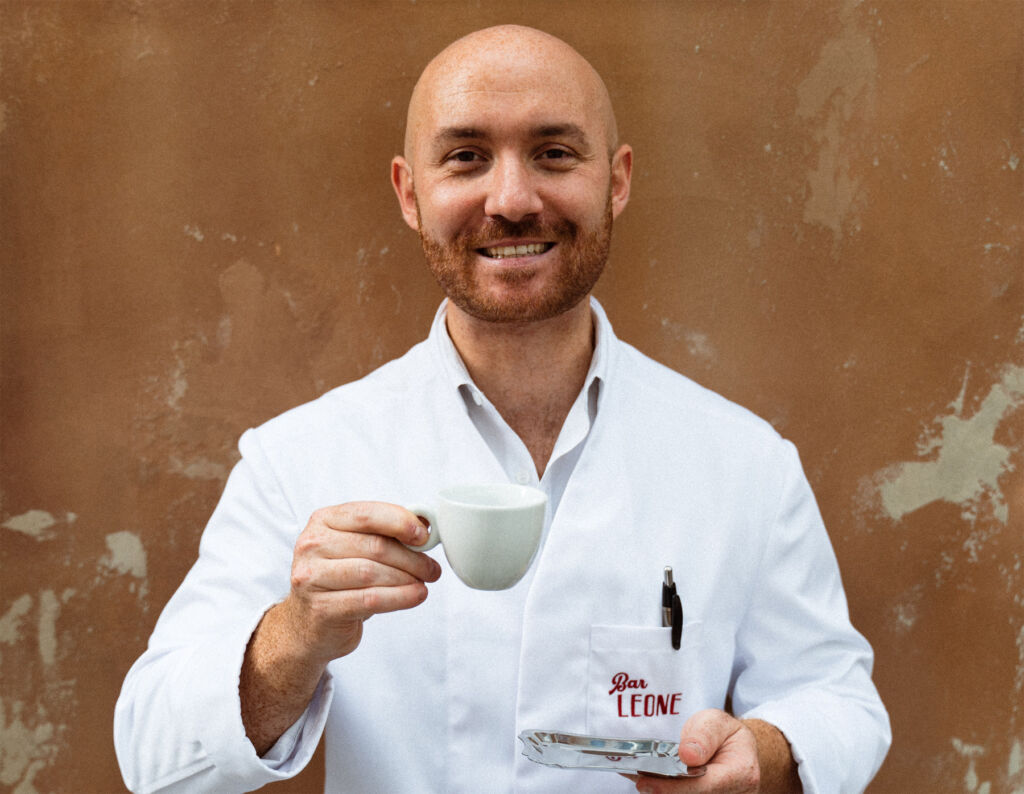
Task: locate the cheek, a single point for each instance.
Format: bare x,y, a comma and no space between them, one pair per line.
446,211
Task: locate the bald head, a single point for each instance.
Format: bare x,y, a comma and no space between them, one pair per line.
513,60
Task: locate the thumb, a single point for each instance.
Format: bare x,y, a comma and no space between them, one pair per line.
692,752
703,734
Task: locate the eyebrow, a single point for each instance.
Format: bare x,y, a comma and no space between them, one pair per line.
447,135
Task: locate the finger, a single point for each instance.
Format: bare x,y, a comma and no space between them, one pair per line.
354,573
323,538
378,518
348,560
703,734
364,603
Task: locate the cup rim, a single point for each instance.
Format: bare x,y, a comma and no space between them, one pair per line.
528,496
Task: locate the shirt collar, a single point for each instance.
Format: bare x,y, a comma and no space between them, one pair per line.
458,375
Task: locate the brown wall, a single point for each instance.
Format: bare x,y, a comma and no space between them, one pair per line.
197,232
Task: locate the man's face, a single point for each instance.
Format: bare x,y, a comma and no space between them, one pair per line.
514,189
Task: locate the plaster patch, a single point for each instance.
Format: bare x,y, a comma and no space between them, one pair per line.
49,609
1015,766
697,343
34,523
126,555
964,461
24,750
972,752
840,84
10,623
201,468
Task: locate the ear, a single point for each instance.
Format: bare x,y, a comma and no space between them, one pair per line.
622,172
401,180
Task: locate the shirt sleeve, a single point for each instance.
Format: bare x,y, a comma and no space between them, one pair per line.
800,664
178,724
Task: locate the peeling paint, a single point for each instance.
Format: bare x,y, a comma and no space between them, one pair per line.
839,85
10,623
24,749
199,469
126,555
972,752
965,462
49,610
698,344
34,523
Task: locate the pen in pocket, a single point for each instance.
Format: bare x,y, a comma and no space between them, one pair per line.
671,608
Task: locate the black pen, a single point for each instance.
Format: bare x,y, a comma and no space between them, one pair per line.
668,591
677,622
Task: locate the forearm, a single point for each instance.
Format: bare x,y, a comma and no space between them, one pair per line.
778,769
277,681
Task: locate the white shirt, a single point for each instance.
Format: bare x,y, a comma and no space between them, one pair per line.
649,470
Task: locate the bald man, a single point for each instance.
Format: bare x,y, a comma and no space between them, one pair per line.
512,175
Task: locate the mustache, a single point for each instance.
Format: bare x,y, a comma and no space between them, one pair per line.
498,228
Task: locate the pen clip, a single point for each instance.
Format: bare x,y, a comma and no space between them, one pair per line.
677,622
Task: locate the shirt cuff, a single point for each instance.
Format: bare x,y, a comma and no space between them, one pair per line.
216,709
293,750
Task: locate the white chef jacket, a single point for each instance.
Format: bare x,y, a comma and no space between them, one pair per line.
650,470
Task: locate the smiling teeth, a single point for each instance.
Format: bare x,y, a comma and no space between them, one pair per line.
501,252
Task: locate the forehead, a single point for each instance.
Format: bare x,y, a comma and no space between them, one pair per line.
524,95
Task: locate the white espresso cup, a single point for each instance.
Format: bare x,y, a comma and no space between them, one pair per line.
490,533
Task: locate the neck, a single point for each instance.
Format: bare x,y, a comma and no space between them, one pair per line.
531,372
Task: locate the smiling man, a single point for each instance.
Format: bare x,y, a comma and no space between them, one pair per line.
512,176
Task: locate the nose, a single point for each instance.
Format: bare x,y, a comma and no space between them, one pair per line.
512,193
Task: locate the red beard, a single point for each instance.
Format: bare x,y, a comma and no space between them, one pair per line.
581,259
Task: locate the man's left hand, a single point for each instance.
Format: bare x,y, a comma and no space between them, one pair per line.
733,753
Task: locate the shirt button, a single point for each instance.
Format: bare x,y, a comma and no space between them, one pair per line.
522,477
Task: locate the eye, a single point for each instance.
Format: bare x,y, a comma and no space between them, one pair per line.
557,158
463,159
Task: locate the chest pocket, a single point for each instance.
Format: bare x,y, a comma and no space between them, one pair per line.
638,685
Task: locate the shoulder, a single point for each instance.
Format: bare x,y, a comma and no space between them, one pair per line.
356,406
661,396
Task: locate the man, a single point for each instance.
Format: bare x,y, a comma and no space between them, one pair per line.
512,176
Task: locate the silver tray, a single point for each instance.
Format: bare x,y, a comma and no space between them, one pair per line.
573,751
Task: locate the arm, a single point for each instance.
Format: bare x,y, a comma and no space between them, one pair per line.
348,566
799,663
178,723
809,715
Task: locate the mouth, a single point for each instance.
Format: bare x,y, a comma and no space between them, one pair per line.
514,251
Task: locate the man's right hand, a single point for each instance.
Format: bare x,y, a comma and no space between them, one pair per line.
349,564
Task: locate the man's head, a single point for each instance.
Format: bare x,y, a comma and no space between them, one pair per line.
512,173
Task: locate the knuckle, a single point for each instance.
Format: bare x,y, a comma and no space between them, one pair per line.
319,517
371,601
360,514
302,576
365,572
306,543
374,546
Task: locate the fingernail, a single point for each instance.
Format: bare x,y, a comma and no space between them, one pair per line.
696,749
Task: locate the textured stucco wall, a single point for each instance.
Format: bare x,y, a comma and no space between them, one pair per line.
196,232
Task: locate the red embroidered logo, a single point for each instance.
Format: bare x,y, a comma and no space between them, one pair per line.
639,704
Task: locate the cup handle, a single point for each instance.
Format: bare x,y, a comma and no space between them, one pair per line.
435,537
